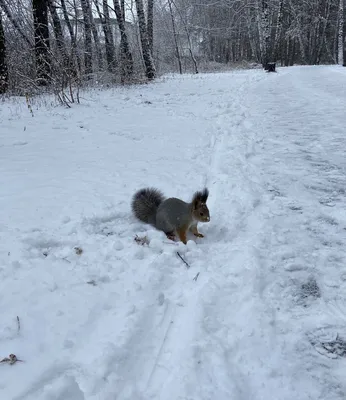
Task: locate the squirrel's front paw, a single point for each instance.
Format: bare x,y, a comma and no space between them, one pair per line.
199,235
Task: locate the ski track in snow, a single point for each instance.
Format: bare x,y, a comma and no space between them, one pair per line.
126,322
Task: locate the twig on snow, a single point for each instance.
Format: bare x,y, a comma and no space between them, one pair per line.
18,324
141,240
196,277
11,359
179,255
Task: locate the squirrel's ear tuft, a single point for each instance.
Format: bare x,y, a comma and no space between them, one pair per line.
200,197
205,194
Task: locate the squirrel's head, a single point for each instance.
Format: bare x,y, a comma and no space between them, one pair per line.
200,210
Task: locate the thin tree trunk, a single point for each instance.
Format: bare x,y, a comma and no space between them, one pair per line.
58,31
3,60
41,32
147,56
122,4
96,38
300,37
125,52
74,54
175,37
251,38
87,37
321,35
193,58
109,40
150,25
183,20
278,31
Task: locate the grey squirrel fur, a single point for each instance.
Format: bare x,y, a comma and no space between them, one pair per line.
172,216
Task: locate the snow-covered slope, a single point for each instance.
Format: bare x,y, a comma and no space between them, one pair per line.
265,316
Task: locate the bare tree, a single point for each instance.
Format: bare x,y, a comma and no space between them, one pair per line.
87,37
341,33
96,37
185,25
175,36
74,56
58,31
143,32
265,33
150,25
108,34
344,33
41,34
3,60
125,51
278,31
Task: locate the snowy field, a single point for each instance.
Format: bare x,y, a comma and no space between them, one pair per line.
265,319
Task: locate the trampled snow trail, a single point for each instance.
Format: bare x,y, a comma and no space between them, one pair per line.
127,322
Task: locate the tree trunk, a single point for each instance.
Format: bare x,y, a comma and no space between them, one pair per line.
58,31
125,52
87,37
3,60
147,56
252,42
175,37
344,33
278,31
341,33
265,28
41,32
150,25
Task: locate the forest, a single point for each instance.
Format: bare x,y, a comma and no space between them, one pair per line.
58,45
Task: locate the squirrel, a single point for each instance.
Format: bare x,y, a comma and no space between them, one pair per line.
172,216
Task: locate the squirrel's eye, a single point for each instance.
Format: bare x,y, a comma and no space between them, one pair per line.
201,214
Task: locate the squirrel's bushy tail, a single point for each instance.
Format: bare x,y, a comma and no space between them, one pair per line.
145,203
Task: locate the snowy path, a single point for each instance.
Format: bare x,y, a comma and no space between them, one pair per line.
126,322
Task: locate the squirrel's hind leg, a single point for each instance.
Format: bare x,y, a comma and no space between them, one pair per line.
182,234
194,230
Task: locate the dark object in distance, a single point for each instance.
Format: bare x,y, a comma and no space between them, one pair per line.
270,67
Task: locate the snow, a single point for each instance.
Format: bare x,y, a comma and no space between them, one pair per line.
266,316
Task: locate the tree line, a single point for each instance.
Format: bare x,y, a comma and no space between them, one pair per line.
60,43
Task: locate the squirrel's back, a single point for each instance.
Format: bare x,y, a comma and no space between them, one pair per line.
173,213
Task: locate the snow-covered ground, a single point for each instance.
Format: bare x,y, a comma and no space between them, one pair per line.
266,316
